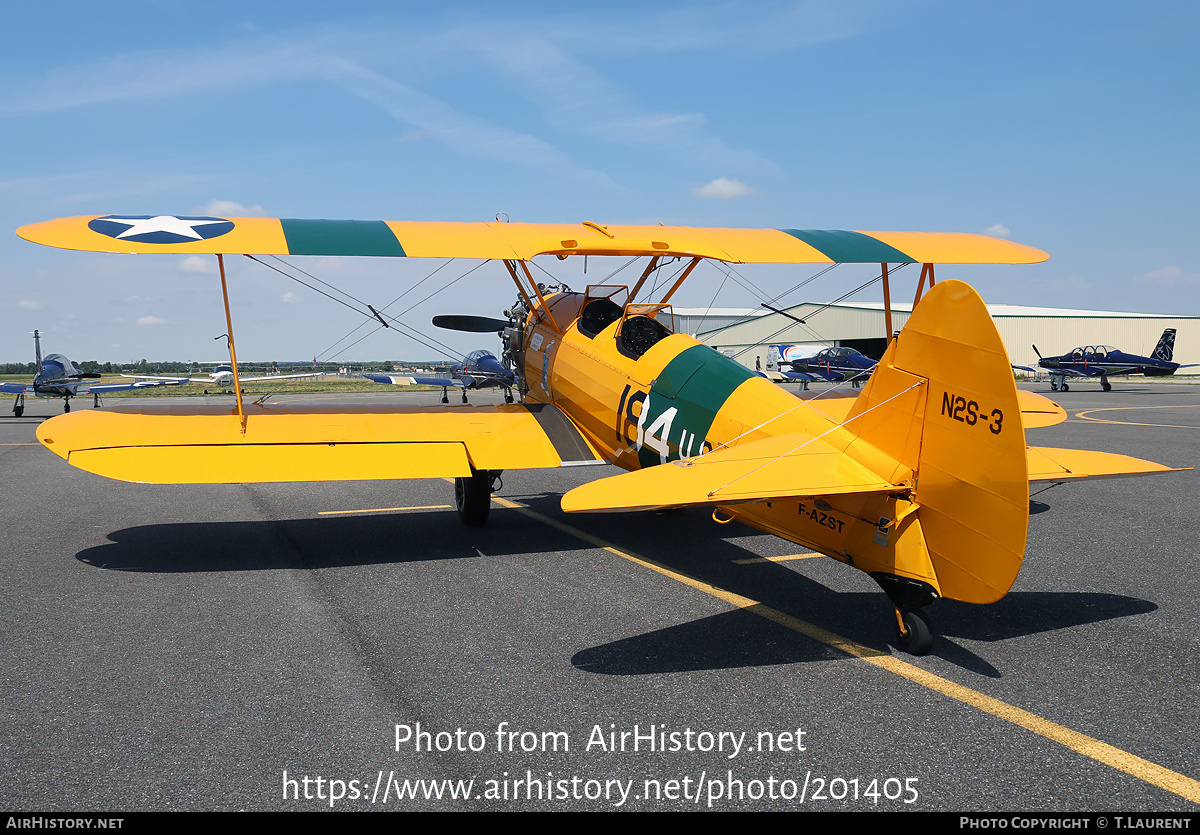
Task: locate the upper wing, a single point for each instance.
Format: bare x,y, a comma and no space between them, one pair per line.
204,444
272,236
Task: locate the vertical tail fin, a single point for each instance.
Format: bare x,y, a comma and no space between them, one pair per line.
960,432
1165,349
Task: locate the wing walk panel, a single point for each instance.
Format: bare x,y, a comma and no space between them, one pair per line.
569,444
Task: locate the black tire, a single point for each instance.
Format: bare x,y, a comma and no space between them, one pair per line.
18,411
1053,386
1106,385
1064,387
473,498
919,639
66,405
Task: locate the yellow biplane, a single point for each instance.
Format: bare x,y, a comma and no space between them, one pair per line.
921,481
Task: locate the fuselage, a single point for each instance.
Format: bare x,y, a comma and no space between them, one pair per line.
58,377
644,396
837,364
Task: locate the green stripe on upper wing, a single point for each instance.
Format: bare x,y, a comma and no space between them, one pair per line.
340,237
850,247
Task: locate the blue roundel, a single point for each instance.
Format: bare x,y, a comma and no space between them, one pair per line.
161,229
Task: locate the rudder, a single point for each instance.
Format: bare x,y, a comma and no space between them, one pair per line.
943,402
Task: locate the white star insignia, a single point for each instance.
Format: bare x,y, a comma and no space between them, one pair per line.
162,223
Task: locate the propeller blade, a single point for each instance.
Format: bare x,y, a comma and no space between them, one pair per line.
470,324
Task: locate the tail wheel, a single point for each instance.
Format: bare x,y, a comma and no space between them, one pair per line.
914,634
473,497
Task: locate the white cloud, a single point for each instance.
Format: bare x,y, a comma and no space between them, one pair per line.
230,208
723,188
291,298
30,304
999,230
151,320
198,265
1169,277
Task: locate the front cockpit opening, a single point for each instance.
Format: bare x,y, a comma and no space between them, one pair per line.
643,327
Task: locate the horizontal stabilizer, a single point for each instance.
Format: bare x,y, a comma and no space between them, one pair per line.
1038,411
787,466
1046,464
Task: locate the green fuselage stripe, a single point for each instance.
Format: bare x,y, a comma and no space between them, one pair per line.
850,247
340,237
696,384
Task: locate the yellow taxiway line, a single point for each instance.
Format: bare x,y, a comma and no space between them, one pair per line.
384,509
1084,415
1099,751
807,555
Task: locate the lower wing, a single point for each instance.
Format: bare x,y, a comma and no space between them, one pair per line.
205,444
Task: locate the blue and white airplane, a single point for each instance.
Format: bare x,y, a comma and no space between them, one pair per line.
58,377
1105,361
479,369
834,365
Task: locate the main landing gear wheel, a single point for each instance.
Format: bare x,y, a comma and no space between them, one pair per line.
1064,387
18,411
914,634
473,496
1106,385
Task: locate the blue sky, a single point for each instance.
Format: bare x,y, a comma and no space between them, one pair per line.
1070,126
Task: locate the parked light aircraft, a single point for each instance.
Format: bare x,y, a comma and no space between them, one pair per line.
1105,361
58,377
921,481
835,365
222,376
479,369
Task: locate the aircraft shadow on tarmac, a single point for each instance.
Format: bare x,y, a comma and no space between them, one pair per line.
687,542
743,639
